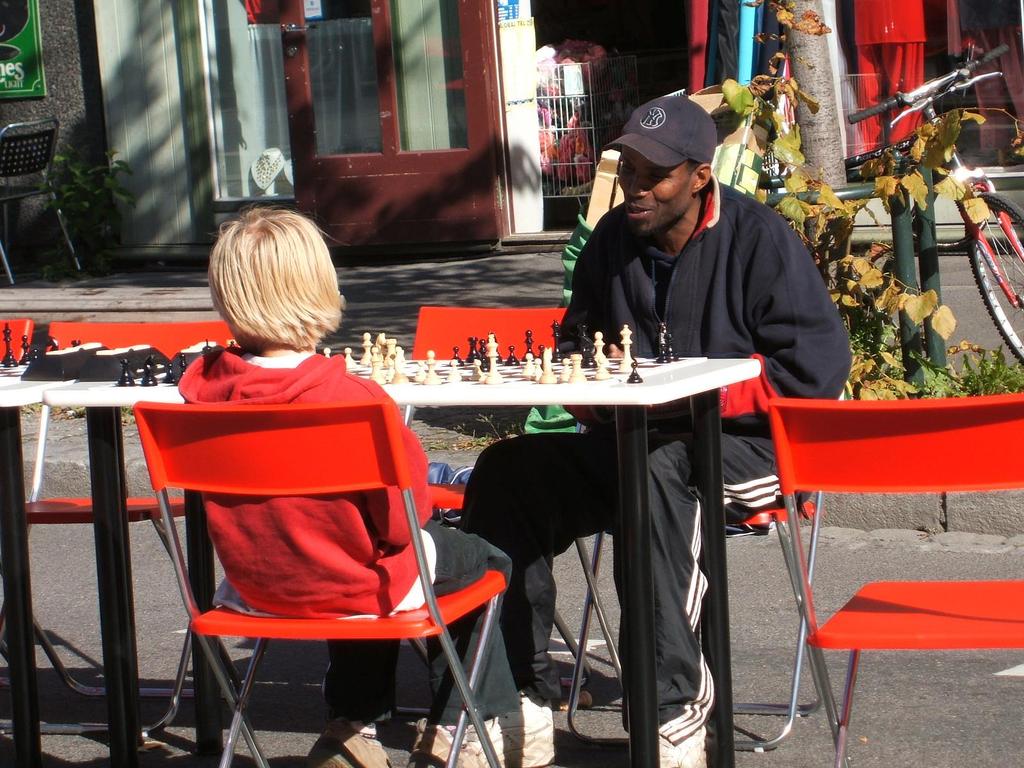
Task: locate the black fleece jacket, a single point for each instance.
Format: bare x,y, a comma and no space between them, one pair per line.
743,286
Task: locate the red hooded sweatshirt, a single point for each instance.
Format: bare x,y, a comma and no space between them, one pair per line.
330,555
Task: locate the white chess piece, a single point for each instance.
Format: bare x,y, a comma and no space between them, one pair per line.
349,362
599,357
366,359
431,377
492,377
566,371
576,375
454,376
547,376
399,376
528,366
377,372
421,373
626,364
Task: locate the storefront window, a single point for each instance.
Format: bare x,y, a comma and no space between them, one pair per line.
343,78
245,81
428,74
895,45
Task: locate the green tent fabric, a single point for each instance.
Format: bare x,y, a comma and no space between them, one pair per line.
554,418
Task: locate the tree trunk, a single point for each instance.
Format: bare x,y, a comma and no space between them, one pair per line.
820,133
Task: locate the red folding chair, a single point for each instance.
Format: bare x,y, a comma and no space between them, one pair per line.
292,450
168,338
440,329
917,446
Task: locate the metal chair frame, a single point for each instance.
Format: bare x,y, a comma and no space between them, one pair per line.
592,604
26,150
924,446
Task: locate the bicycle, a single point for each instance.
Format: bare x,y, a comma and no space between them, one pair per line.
993,246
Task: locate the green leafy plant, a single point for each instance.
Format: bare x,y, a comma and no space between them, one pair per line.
88,195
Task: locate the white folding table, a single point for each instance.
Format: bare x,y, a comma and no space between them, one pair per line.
698,379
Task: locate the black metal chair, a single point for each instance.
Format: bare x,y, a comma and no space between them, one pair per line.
26,152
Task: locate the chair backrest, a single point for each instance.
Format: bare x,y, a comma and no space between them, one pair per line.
169,338
27,148
274,450
935,445
441,328
20,326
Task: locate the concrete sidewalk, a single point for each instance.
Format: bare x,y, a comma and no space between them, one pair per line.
386,297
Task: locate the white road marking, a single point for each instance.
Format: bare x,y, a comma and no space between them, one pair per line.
1017,671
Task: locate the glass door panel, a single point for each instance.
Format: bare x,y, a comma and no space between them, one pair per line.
426,42
343,79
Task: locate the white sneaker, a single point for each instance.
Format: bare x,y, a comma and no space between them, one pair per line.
528,735
434,743
691,753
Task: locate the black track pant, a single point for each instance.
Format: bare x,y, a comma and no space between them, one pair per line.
531,496
360,682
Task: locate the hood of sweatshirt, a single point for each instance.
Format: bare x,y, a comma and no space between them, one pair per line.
222,375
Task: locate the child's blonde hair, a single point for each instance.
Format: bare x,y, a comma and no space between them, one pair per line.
273,282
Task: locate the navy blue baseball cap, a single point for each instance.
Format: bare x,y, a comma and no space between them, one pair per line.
669,131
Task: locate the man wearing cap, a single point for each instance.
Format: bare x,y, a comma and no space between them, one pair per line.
724,276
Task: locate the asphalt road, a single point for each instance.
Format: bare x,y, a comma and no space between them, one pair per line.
914,710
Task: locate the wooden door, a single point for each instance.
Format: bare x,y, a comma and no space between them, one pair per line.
392,113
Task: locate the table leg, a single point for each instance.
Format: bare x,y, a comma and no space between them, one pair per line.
638,594
114,576
707,460
18,594
201,575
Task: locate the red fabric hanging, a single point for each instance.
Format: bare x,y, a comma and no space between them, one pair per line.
883,70
697,42
261,11
888,21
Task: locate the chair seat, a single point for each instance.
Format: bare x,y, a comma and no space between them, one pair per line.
923,615
224,622
63,511
447,496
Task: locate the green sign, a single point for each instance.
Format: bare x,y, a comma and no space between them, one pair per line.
21,50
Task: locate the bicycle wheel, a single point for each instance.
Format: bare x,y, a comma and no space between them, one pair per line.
997,260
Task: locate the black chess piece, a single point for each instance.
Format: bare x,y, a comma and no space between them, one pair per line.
171,376
586,346
52,345
634,377
481,353
456,359
556,337
671,351
8,361
472,356
76,342
24,359
149,373
663,353
126,380
528,343
511,359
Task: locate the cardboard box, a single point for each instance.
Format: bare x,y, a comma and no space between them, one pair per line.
606,193
741,143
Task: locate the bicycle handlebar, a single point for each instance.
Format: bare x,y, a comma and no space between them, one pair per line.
883,106
905,99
